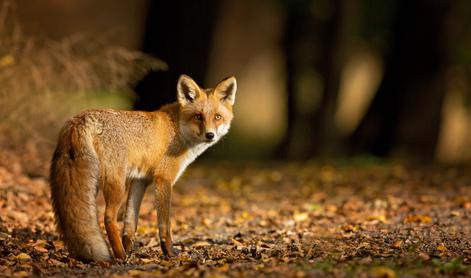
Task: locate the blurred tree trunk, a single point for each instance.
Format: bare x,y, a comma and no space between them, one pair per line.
296,19
312,42
405,115
180,33
324,134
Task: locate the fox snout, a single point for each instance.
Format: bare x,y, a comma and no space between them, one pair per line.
210,133
209,136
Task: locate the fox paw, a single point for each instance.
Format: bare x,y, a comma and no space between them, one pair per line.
171,252
127,244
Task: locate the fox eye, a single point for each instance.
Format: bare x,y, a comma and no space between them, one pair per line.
217,117
197,117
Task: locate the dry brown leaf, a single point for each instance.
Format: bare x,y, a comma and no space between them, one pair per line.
397,244
418,218
382,272
41,249
381,218
442,248
236,242
200,244
21,274
23,257
424,256
300,217
137,273
224,268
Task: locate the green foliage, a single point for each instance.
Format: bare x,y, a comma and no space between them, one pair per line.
454,266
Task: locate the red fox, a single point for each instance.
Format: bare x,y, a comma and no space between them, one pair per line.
121,153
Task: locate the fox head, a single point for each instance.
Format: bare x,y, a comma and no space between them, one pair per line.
205,114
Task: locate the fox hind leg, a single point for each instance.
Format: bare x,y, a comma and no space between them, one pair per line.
122,211
131,217
114,198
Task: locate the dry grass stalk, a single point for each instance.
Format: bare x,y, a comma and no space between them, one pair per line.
43,80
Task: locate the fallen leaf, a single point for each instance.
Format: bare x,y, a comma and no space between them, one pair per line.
224,268
350,228
441,248
300,217
21,274
207,222
418,218
200,244
289,223
146,261
142,230
165,263
424,256
137,273
58,245
397,244
381,218
41,249
23,257
236,242
56,262
366,260
7,60
382,272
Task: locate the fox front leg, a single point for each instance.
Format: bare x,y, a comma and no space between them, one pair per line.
164,199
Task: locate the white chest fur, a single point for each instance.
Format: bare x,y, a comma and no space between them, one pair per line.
189,157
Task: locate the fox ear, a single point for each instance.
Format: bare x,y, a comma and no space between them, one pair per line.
226,90
187,90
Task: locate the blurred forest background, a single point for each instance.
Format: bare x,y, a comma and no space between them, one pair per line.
317,78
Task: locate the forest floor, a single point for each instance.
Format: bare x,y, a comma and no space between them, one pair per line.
345,219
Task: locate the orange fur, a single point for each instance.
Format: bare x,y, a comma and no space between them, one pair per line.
121,153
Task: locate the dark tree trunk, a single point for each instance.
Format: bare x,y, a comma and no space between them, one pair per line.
180,33
405,115
324,134
323,37
292,35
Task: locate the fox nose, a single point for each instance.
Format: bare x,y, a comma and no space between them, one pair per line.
209,135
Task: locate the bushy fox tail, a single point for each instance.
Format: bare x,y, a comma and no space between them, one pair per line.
74,178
